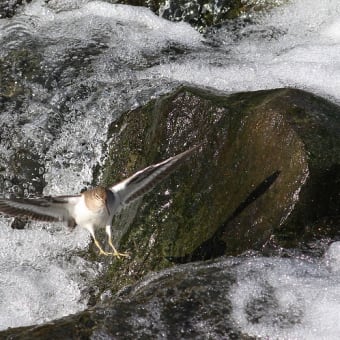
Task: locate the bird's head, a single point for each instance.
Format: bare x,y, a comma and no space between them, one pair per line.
100,195
96,199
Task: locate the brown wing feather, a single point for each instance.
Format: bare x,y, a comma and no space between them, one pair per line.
12,211
47,209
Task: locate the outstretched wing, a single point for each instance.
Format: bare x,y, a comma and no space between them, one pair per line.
48,209
145,180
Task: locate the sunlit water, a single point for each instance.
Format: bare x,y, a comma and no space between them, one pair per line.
296,45
131,56
267,298
40,278
278,298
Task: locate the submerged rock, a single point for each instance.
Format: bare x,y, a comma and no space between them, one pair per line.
8,8
267,172
203,13
21,166
182,303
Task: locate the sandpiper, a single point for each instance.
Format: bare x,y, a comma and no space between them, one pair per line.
96,207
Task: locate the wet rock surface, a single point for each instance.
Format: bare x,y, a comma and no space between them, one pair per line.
202,14
8,8
252,183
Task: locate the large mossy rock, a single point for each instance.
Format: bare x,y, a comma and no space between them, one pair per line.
269,168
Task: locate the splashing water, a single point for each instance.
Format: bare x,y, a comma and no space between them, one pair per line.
279,298
93,60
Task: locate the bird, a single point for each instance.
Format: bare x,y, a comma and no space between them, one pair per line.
94,208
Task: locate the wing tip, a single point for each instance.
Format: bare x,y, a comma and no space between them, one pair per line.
29,209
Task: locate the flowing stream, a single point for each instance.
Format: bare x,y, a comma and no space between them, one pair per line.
93,60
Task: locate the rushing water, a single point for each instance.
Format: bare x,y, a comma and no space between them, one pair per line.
94,60
278,298
269,298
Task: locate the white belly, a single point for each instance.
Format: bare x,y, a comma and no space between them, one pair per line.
86,218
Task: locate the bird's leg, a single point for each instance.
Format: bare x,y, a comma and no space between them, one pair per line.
101,250
115,251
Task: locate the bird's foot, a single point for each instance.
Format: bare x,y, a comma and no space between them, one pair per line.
105,253
116,253
119,255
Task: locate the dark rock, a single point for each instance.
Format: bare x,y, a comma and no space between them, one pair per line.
183,303
9,7
21,167
201,13
16,67
267,171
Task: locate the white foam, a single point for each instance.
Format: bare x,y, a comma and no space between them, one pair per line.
332,257
40,279
289,299
332,31
149,29
295,45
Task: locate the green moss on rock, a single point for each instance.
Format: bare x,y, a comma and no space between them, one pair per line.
288,136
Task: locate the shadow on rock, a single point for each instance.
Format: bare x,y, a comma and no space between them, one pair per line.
215,246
